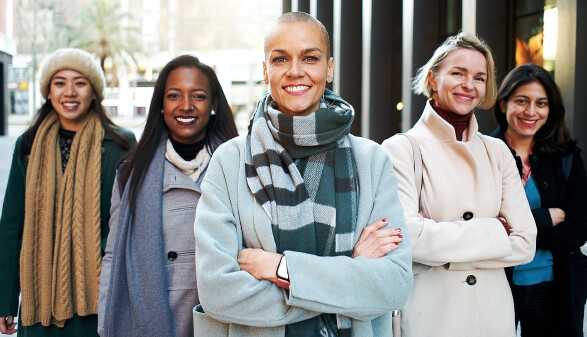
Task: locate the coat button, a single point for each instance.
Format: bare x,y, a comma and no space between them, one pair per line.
471,280
468,215
103,150
172,256
545,185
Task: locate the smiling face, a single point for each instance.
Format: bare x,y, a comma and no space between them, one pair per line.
71,96
297,67
460,81
187,103
526,111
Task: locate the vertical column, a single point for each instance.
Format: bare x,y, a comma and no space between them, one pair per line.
385,70
570,67
347,47
303,6
286,6
323,10
427,35
494,25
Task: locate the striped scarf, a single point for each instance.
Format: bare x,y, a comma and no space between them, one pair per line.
302,171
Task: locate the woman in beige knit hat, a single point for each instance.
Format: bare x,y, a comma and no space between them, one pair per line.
55,215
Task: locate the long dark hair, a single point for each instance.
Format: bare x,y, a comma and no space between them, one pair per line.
553,138
220,127
96,107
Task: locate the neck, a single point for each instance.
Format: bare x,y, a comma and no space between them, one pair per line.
458,122
522,145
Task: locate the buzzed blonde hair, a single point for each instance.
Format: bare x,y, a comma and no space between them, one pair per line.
296,17
464,40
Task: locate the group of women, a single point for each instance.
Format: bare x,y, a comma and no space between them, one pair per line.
301,229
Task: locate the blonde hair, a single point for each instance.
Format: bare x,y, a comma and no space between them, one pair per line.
421,82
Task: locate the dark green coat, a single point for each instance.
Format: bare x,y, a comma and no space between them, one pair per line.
11,229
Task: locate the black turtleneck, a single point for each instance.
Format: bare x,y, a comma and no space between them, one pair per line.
187,151
65,140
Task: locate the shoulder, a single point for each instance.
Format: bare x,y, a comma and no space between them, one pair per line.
127,134
231,148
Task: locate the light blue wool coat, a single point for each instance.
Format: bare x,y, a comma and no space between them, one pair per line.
234,303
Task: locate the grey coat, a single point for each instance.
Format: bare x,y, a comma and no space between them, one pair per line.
180,198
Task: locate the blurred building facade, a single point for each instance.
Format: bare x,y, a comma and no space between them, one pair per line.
377,44
7,50
227,35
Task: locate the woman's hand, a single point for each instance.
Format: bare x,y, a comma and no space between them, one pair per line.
7,325
375,242
557,215
259,263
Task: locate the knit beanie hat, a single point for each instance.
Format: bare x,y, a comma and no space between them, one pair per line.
73,59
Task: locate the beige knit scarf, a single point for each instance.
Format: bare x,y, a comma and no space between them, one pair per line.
60,260
193,168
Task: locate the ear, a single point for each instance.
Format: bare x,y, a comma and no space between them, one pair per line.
432,81
502,106
265,76
330,70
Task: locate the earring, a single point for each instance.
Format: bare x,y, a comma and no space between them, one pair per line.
162,111
212,113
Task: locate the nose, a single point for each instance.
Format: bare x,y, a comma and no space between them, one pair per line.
295,70
467,83
70,89
186,103
531,111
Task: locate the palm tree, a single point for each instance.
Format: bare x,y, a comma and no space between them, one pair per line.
104,29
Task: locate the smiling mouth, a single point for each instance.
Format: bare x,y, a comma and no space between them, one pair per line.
463,97
70,105
186,120
297,89
528,122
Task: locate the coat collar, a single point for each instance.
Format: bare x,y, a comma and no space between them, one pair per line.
431,125
175,178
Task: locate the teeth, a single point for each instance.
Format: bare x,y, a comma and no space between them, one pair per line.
296,88
186,120
527,121
70,104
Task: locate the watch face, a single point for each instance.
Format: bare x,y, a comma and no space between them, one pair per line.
282,269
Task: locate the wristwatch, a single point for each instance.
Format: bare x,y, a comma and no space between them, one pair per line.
282,274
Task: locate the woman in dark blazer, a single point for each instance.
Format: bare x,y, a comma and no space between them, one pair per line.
549,292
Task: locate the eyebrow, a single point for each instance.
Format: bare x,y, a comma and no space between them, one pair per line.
64,78
305,51
465,69
177,89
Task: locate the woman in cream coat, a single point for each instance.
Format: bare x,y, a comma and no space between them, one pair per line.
471,218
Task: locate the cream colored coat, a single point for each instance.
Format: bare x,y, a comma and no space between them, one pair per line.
475,175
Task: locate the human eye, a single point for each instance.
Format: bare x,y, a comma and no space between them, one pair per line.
311,58
172,95
520,101
200,97
278,59
58,83
480,79
542,104
81,83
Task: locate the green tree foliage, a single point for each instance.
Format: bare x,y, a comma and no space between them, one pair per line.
103,28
